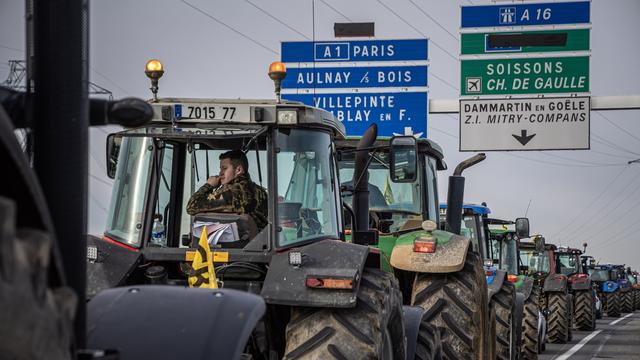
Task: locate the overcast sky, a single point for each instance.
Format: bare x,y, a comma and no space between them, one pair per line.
223,48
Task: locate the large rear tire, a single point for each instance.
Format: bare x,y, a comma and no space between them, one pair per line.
530,336
627,301
559,317
429,344
36,321
503,303
636,298
585,317
457,304
613,304
372,330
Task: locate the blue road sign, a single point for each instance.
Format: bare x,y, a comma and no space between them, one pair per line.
355,77
362,50
395,113
526,14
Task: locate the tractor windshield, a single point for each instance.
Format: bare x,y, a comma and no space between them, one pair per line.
384,195
308,191
536,262
599,274
509,256
568,264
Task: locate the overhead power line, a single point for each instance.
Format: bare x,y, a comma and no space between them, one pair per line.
432,19
557,233
617,126
336,10
230,27
278,20
600,139
417,30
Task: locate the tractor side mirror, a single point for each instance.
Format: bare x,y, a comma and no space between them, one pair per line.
113,150
539,243
522,227
404,159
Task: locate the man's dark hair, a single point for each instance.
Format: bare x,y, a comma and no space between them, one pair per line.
237,157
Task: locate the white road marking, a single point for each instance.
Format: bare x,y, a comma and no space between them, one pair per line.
622,318
578,346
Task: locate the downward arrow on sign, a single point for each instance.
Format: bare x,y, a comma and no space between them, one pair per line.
523,139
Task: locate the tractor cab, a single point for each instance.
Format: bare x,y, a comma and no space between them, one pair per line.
395,205
536,258
158,167
473,227
504,245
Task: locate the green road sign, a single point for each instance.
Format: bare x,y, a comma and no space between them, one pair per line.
572,40
525,76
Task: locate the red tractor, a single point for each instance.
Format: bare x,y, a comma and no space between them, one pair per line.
569,263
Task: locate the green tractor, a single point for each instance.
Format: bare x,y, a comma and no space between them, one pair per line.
504,244
439,271
538,260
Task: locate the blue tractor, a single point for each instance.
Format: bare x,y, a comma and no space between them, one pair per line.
604,278
626,289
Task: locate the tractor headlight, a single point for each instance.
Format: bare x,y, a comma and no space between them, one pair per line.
287,117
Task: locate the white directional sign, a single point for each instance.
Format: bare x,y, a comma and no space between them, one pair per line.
525,124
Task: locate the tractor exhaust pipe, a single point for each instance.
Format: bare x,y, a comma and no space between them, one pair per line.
361,180
455,194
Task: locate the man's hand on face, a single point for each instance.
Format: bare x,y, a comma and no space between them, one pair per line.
213,181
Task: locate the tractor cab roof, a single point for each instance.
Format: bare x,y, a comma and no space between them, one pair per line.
471,209
568,250
425,146
188,117
530,245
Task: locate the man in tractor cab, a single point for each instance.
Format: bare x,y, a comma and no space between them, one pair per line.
232,191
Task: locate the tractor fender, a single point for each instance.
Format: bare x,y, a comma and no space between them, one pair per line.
496,283
518,314
526,287
449,256
285,284
189,323
579,283
412,319
113,265
555,283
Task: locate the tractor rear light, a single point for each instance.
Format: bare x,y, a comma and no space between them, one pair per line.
329,283
512,278
424,246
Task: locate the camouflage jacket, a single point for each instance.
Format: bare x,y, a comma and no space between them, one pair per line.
240,196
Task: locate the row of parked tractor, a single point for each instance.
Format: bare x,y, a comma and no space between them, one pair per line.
358,259
558,289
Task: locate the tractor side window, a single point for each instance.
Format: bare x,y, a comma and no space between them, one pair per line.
165,181
432,190
306,187
568,264
125,221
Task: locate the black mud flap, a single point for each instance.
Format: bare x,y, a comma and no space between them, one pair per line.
555,282
113,265
495,286
412,319
172,322
285,284
581,284
526,288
